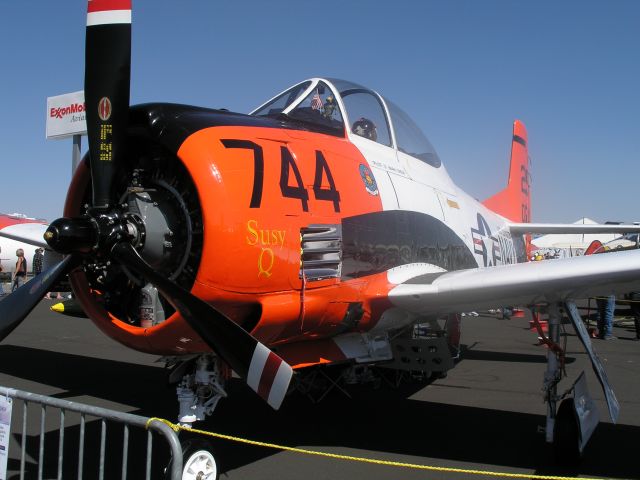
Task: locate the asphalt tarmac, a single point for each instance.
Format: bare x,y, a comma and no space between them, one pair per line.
484,415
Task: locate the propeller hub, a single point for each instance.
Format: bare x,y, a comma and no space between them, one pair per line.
112,227
69,235
99,230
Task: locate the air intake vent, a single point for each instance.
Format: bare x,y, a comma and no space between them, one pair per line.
321,252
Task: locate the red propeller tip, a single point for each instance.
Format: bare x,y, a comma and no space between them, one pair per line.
103,12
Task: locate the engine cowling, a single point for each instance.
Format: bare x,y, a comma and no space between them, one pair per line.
160,202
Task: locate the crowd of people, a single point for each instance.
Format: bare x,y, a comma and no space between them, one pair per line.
536,257
19,275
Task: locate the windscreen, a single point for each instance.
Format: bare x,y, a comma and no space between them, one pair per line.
282,101
320,109
409,137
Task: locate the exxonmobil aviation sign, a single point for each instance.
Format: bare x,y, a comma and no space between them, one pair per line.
66,115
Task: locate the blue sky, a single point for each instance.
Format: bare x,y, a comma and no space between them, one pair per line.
464,70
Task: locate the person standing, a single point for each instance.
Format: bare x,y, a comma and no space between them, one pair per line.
20,275
635,309
38,257
606,310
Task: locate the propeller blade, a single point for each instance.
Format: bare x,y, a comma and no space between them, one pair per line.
264,371
15,307
106,90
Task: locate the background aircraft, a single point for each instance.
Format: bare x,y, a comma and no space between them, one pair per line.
629,241
321,229
19,231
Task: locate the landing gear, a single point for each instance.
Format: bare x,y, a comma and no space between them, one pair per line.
554,371
201,380
198,461
200,383
562,430
566,435
569,427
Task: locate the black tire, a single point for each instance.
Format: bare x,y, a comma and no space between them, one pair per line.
566,435
198,461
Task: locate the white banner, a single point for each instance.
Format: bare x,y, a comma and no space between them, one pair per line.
66,115
5,434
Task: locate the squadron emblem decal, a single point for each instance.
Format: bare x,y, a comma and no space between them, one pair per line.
104,109
368,179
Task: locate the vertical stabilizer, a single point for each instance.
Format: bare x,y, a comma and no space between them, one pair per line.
514,202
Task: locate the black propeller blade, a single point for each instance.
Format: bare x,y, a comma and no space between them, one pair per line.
105,230
107,79
265,372
15,307
107,76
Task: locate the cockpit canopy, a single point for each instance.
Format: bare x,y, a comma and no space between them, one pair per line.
328,105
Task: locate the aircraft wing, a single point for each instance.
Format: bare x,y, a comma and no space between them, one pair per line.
420,289
30,233
520,228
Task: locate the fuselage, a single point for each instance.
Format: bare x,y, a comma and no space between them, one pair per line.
301,221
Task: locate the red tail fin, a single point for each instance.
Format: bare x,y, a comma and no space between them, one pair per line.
594,247
514,202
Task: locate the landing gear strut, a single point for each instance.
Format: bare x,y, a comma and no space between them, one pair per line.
201,381
553,374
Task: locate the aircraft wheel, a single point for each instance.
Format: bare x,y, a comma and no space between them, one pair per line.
566,436
198,461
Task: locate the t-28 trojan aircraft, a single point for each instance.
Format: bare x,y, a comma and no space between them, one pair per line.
322,228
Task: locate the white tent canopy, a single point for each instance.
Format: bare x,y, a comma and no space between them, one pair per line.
573,241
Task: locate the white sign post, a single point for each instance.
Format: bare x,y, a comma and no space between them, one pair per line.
66,118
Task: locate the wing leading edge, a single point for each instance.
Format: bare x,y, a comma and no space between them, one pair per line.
422,291
30,233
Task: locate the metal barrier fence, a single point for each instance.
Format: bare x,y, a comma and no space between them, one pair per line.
127,420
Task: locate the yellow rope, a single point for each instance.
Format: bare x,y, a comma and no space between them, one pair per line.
178,428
